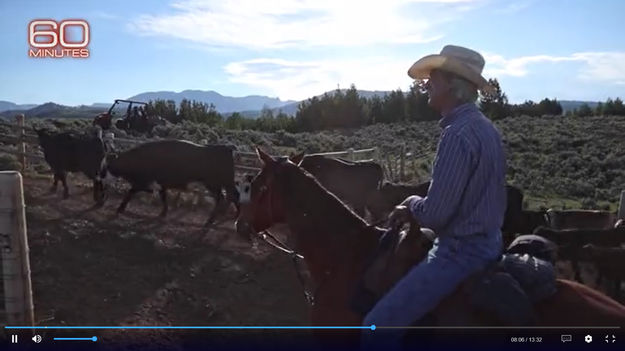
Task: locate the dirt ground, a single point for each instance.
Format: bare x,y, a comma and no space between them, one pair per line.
92,267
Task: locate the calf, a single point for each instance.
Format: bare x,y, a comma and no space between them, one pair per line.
70,152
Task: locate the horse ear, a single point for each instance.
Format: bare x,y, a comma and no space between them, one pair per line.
297,159
264,157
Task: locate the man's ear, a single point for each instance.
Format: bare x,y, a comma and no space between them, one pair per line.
297,159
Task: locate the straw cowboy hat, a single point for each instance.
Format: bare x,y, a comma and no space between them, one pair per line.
455,59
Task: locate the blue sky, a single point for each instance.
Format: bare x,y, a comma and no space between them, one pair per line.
568,49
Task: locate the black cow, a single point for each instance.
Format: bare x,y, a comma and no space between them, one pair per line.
71,152
381,202
173,164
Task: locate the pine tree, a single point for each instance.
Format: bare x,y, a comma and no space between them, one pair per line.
584,110
495,105
619,109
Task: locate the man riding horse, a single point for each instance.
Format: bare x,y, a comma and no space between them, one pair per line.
466,200
465,206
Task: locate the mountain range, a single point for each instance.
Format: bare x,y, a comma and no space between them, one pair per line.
569,105
223,104
249,106
6,106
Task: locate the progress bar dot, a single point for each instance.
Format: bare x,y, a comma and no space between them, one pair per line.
94,339
372,326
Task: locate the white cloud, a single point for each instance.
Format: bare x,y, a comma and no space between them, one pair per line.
603,66
497,65
291,23
303,79
606,67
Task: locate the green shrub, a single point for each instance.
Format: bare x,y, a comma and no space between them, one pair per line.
9,163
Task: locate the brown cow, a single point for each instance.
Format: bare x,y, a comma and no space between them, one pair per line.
581,219
351,181
572,240
608,260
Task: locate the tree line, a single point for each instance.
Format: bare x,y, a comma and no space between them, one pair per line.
608,108
347,109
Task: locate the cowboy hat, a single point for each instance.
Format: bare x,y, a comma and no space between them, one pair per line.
455,59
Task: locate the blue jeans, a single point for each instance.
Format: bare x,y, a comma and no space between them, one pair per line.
449,263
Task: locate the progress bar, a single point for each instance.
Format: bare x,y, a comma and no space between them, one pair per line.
94,339
371,327
360,327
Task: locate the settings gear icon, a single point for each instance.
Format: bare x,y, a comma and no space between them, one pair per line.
588,339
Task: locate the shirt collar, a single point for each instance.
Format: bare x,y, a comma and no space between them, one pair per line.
453,115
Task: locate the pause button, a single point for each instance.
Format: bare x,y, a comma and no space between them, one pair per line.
14,339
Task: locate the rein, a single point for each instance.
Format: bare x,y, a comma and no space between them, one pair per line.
274,242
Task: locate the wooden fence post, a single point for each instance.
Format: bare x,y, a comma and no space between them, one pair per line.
18,293
402,164
389,166
413,164
350,154
21,146
376,154
621,206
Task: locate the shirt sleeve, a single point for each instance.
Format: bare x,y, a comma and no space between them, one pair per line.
452,168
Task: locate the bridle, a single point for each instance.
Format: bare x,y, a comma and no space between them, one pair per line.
276,243
273,241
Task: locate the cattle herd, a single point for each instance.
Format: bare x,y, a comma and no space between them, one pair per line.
581,236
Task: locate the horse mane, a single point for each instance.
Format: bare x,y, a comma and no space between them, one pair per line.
317,205
296,180
324,228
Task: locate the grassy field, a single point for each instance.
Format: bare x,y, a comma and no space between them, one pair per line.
559,162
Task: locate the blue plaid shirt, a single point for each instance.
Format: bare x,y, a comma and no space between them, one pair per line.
467,194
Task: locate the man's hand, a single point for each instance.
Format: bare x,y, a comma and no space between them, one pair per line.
400,215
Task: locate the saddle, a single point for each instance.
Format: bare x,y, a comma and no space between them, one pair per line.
506,290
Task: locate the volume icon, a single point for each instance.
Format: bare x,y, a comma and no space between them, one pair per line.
37,338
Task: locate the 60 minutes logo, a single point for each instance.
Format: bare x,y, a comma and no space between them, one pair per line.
56,44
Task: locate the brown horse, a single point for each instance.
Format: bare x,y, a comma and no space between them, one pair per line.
336,244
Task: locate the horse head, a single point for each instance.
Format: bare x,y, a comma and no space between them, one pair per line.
261,200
